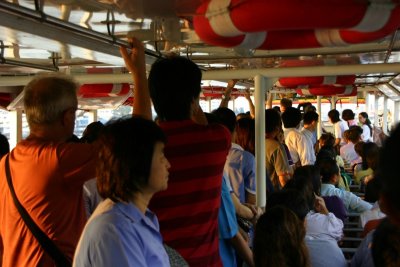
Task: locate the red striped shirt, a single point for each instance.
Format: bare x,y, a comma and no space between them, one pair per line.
188,209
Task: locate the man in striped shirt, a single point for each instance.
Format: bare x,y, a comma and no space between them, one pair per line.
188,209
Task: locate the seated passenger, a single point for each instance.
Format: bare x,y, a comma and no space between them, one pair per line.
279,239
322,252
320,223
330,177
132,168
347,152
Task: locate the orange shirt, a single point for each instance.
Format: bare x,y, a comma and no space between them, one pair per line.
48,181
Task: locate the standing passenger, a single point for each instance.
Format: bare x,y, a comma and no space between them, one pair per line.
131,169
276,160
366,126
47,174
188,209
339,127
301,151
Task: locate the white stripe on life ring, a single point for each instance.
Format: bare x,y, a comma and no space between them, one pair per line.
253,40
329,80
348,90
220,20
116,89
329,38
376,16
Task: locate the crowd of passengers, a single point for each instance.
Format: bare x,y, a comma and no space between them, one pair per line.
181,191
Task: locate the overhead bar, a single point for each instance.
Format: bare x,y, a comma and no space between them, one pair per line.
233,74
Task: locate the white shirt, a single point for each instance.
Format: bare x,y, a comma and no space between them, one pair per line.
298,147
350,201
366,135
348,153
340,127
321,226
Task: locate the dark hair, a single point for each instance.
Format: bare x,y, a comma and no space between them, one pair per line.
370,156
227,117
359,148
286,102
348,114
367,121
328,168
4,146
272,120
174,83
279,240
291,117
334,115
245,134
125,157
388,168
310,116
292,199
354,134
326,152
328,139
277,108
386,245
92,132
303,184
312,173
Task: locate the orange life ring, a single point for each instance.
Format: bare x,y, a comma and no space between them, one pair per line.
103,90
328,90
294,82
286,24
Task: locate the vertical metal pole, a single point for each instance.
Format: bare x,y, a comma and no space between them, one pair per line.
366,98
92,116
333,102
376,107
385,114
15,127
319,111
261,83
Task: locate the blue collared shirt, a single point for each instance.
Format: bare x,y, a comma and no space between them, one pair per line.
350,201
118,234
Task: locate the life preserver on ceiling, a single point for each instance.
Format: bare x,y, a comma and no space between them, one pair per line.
103,90
286,24
294,82
328,90
217,92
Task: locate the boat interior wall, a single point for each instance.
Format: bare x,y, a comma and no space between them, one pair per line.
82,37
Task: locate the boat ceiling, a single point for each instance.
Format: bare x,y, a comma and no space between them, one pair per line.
76,35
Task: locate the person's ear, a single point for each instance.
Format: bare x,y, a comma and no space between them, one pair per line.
68,116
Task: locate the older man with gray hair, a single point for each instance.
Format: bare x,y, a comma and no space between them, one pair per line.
47,174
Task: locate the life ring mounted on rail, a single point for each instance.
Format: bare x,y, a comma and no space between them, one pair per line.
103,90
257,24
328,90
